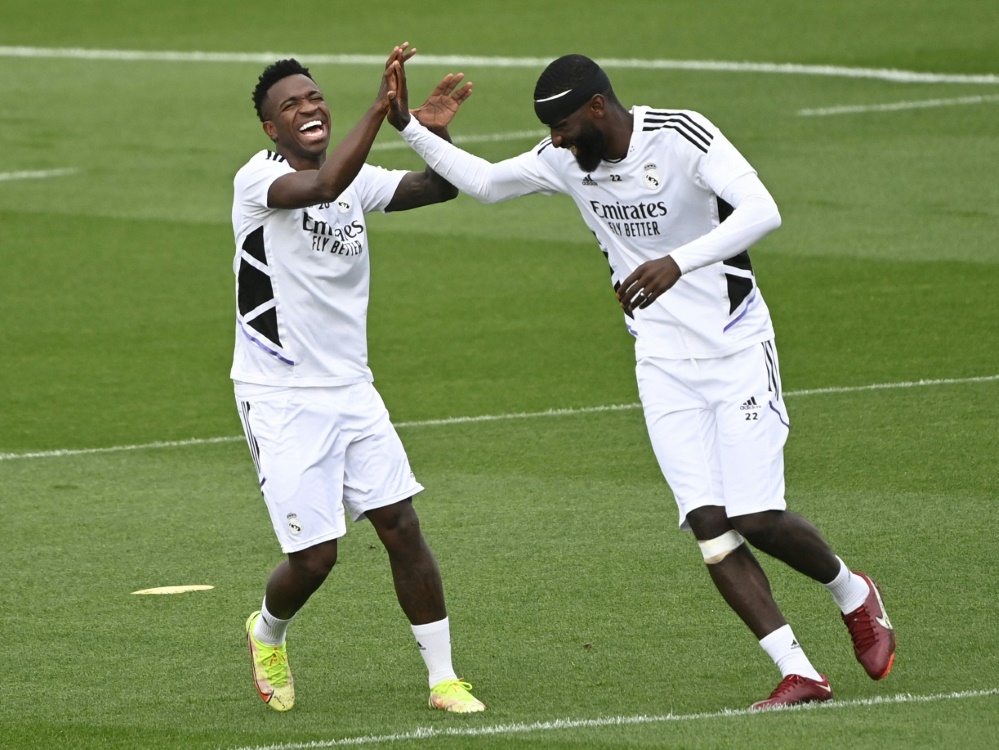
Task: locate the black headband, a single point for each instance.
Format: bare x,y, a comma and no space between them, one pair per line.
554,109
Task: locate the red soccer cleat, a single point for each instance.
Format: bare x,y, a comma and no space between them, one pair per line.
872,633
795,689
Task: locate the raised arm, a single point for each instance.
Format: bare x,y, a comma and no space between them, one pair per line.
423,188
487,182
474,176
306,187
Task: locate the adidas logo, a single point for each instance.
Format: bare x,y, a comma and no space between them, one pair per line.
589,180
750,404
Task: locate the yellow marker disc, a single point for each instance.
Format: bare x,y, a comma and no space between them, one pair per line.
173,589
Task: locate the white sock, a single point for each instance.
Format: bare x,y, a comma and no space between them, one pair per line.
783,648
269,629
848,589
434,640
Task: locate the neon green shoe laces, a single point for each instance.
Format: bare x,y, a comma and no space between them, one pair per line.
454,696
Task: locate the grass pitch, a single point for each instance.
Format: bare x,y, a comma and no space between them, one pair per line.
581,615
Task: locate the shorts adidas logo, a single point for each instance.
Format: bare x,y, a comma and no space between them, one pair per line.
750,404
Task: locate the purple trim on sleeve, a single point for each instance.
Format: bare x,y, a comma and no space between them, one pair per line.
749,301
262,345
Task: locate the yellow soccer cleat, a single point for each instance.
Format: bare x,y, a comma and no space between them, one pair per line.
453,696
271,673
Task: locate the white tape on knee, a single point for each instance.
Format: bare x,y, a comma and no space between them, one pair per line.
717,549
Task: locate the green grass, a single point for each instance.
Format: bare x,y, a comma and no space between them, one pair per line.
572,595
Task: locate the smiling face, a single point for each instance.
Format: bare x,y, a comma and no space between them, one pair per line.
298,120
579,133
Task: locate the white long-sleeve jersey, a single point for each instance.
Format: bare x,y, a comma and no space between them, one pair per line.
682,189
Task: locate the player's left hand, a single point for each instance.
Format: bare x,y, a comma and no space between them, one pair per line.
646,283
442,104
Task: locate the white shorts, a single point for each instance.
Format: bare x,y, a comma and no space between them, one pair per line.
319,451
718,428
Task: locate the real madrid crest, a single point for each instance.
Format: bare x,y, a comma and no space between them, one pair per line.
652,179
343,206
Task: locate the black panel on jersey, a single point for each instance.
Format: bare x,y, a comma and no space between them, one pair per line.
254,288
253,245
724,209
739,287
266,324
740,261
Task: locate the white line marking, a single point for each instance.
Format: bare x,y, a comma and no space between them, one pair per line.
430,733
35,175
461,61
519,415
121,448
491,418
895,106
889,386
513,135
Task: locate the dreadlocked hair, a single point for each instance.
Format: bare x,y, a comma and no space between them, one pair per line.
271,75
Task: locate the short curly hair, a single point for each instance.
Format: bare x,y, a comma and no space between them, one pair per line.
566,85
271,75
565,73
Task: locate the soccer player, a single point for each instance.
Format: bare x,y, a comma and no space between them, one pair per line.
317,429
674,207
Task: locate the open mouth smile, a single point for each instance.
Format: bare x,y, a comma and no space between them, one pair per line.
313,130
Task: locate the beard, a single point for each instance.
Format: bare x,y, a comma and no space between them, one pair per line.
590,147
